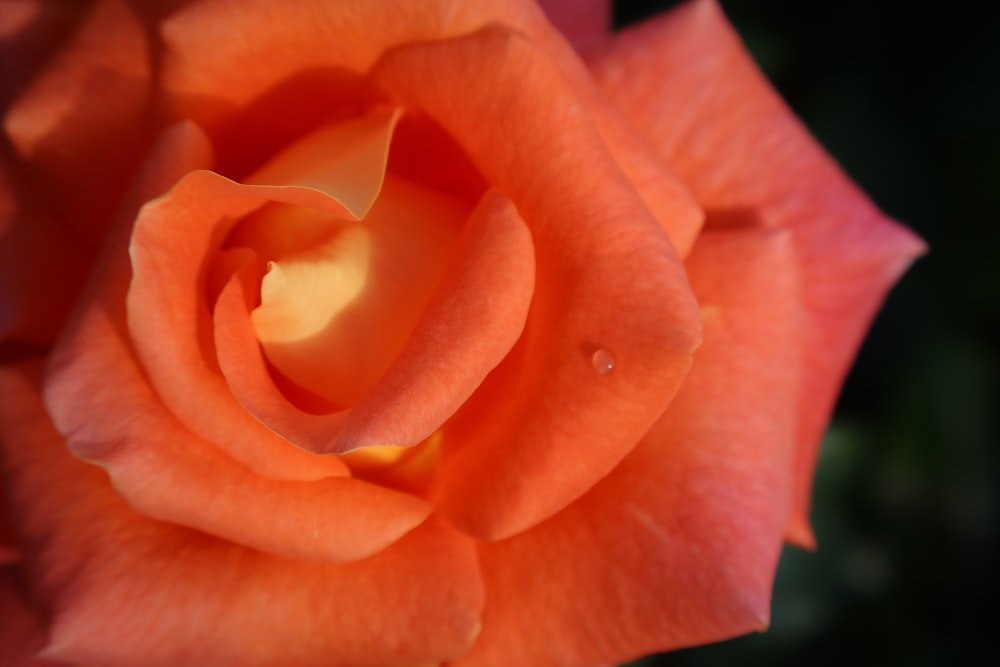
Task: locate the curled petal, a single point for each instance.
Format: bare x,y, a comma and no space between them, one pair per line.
335,315
467,328
174,241
182,147
678,545
166,472
749,161
123,589
170,324
546,404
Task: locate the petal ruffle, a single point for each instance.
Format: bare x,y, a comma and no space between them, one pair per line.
607,277
678,545
122,589
750,161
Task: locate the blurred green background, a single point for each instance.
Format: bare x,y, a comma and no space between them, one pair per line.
907,505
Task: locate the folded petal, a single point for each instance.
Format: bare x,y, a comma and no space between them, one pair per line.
678,545
469,326
608,282
168,473
122,589
181,149
750,161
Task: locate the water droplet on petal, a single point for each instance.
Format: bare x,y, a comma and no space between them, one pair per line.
603,361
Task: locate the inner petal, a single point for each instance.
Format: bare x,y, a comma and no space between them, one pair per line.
345,159
334,315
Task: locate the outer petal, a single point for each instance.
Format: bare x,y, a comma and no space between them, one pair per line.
750,161
546,405
678,545
123,425
124,590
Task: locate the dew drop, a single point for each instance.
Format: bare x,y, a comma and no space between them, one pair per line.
603,361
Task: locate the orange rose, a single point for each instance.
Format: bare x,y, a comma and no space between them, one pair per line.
386,326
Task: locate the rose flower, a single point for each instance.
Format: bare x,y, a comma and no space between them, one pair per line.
401,333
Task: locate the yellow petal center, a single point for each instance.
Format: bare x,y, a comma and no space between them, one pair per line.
340,297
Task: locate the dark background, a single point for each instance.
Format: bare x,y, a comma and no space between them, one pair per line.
906,96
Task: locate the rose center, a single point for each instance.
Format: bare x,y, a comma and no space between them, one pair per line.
340,297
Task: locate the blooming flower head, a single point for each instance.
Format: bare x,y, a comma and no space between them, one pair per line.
403,333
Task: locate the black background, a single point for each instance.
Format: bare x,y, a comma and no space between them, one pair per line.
906,96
